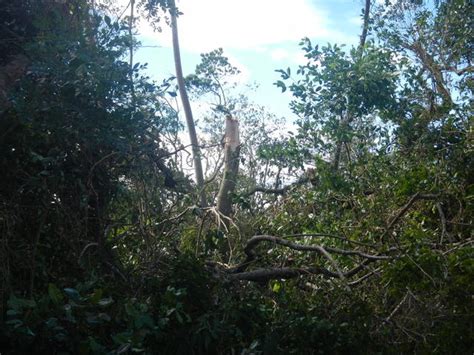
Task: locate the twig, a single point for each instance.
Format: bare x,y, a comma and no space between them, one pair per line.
178,216
415,197
85,249
421,269
395,310
459,245
443,224
365,277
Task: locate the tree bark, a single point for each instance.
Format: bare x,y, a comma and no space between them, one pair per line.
231,166
365,27
130,33
187,109
430,64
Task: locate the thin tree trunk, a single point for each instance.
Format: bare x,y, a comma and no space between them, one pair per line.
430,64
365,27
187,110
231,166
130,33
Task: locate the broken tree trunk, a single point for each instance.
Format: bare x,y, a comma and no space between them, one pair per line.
231,166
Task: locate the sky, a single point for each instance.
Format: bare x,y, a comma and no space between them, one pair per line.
258,37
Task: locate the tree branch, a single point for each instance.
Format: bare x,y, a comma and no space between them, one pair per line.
417,196
255,240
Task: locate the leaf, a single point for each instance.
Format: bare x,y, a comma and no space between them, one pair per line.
19,304
276,287
107,20
72,294
52,322
96,296
284,74
105,302
15,323
281,85
13,312
54,293
144,320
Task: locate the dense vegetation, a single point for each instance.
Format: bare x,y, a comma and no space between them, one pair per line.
351,235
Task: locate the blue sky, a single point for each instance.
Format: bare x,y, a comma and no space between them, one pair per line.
258,36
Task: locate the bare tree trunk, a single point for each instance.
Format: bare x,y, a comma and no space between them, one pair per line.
231,166
130,33
433,68
187,110
365,27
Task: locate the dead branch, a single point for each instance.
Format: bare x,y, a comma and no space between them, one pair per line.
395,310
365,277
252,243
442,217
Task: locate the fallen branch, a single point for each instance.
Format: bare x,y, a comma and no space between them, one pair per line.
300,247
238,272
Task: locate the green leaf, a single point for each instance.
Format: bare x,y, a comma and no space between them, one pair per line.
281,85
54,293
144,320
276,287
96,296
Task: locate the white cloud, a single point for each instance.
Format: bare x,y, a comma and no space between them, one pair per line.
279,54
246,24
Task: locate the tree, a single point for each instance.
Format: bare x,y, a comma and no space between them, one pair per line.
187,108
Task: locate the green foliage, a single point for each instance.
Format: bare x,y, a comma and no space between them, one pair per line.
103,251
